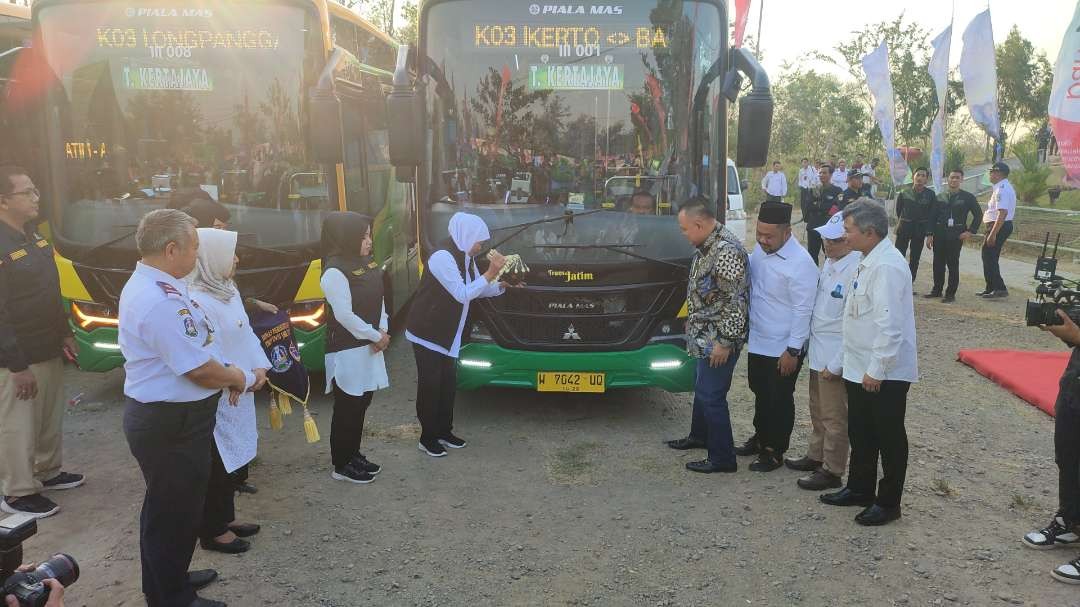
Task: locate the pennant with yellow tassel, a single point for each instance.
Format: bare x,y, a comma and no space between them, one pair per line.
275,415
284,403
311,430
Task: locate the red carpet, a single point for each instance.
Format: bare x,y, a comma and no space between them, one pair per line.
1033,376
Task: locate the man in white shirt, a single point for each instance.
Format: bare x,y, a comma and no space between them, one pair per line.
808,178
879,366
775,184
783,282
998,222
839,175
827,452
869,172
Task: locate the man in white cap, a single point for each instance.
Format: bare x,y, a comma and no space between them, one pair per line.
827,451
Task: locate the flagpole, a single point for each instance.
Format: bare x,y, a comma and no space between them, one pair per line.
761,10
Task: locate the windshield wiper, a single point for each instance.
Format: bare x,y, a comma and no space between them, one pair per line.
618,248
108,243
567,216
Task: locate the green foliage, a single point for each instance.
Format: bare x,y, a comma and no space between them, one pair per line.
1030,180
407,34
1024,80
954,158
816,116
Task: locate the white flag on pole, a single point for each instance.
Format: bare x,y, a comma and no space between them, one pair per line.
1065,100
979,72
939,73
876,67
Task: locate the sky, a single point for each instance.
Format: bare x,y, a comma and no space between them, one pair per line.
791,29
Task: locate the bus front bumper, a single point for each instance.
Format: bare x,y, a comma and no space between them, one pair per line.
661,366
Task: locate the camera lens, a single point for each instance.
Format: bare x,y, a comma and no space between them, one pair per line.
61,567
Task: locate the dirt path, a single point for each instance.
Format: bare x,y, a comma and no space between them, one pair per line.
575,501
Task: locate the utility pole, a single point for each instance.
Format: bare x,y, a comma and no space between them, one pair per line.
761,10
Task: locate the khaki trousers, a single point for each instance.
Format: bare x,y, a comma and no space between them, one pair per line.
31,430
829,419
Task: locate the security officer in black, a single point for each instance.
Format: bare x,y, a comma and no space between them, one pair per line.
913,208
820,202
948,229
856,189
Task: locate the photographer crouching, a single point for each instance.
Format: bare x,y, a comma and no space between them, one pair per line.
1063,529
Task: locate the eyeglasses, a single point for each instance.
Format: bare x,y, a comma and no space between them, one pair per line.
31,192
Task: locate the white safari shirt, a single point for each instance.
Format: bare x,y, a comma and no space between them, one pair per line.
782,288
1002,198
827,324
879,319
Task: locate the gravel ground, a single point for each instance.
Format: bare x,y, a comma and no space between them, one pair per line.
575,501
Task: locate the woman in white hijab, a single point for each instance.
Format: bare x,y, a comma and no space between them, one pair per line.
235,434
436,322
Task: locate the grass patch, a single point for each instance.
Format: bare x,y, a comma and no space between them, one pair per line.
1021,502
409,432
942,487
573,464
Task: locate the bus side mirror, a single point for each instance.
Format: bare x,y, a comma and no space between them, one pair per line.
406,117
326,140
755,112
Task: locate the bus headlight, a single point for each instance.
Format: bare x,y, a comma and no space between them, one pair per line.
308,315
89,316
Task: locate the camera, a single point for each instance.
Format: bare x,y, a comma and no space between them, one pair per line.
1052,292
28,587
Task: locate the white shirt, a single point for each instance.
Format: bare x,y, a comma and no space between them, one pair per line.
236,432
774,183
443,267
1002,198
356,370
827,324
782,289
808,177
839,178
163,335
879,319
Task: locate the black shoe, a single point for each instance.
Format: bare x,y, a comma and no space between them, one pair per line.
236,546
245,529
1068,573
432,447
750,447
1057,533
686,444
64,480
361,463
820,480
875,516
803,464
708,467
983,293
352,474
948,299
452,442
932,295
202,578
846,497
36,505
999,294
201,602
767,461
246,488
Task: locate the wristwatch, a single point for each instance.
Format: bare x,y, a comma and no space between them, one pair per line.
794,352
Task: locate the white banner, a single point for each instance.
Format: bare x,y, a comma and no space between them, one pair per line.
1065,100
876,67
939,73
979,71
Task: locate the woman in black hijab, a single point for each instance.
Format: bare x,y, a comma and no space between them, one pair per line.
356,336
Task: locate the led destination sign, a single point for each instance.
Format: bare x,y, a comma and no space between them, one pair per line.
551,37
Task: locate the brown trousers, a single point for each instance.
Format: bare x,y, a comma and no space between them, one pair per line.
829,419
31,430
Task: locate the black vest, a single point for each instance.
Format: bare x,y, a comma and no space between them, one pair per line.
366,291
435,314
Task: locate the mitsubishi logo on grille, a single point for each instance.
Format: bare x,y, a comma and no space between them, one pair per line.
571,334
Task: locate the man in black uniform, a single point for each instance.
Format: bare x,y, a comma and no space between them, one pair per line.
856,189
820,203
948,229
34,332
913,209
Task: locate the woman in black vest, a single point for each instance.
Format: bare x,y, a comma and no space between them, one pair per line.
439,309
355,339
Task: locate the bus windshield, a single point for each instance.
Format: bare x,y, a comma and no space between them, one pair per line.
159,104
546,108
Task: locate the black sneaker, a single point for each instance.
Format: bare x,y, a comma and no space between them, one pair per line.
350,473
750,447
452,442
64,480
948,299
36,505
433,448
361,463
983,293
999,294
767,461
1053,535
1068,573
932,295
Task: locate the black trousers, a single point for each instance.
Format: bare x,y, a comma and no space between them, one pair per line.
876,427
347,425
219,509
911,235
171,442
992,255
947,249
1067,456
771,198
813,242
774,401
436,389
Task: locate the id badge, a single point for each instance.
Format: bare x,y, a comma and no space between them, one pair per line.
951,222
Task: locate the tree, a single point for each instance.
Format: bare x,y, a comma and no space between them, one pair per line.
408,33
817,116
1024,80
380,13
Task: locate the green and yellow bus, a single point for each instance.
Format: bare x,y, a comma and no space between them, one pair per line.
575,130
275,108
